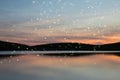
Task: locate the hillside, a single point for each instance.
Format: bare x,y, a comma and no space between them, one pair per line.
8,46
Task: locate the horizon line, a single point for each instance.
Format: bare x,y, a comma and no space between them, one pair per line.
58,43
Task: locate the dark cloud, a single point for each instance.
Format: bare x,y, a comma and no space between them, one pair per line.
111,31
5,12
12,34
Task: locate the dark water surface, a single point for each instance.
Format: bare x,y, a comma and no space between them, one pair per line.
40,67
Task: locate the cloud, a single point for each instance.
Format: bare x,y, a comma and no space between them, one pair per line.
5,12
88,29
42,24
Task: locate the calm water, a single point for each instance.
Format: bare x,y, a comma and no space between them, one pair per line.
37,67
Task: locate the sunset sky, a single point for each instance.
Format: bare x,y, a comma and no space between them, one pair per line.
52,21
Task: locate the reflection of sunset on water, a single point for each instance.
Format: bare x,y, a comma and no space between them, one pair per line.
61,68
58,61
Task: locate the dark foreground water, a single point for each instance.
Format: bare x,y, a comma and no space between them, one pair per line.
39,67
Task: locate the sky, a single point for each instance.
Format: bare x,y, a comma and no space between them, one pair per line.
34,22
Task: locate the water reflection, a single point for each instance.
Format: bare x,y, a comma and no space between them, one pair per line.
37,67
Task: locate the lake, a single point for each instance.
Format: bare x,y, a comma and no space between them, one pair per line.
45,67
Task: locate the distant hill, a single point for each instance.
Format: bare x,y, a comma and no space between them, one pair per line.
64,46
111,47
8,46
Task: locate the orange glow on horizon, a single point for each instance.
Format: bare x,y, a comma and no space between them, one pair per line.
105,40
